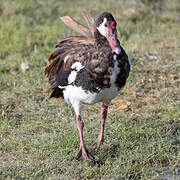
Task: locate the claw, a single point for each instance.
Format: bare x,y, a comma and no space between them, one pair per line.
99,143
84,153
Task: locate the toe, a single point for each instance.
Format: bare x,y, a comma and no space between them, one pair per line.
99,143
84,154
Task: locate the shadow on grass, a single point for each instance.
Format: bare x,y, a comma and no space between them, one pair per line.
105,153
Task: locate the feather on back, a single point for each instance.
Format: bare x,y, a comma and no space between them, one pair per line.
70,46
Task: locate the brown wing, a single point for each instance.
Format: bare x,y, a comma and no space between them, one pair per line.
70,46
70,50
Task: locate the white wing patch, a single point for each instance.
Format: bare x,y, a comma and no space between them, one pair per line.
77,66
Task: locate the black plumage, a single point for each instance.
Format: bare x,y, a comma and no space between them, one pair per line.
89,68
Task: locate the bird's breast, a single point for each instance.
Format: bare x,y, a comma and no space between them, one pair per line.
86,88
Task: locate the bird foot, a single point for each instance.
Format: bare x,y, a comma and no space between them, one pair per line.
84,153
99,143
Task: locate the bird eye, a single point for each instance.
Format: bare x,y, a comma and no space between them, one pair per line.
105,25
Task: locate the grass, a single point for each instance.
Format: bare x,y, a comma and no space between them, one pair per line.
38,135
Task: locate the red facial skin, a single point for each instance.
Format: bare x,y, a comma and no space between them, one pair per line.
112,35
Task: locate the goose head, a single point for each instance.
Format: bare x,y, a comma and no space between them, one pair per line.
106,25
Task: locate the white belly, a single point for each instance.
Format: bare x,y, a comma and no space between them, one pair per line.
73,93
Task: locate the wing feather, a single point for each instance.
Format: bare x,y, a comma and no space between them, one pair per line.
79,28
69,50
90,21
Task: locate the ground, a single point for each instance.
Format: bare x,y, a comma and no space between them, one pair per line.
38,135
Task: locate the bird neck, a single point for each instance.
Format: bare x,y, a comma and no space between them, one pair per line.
101,41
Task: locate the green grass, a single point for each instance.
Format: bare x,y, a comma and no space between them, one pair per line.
38,135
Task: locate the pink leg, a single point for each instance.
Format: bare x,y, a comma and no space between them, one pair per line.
100,139
83,152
